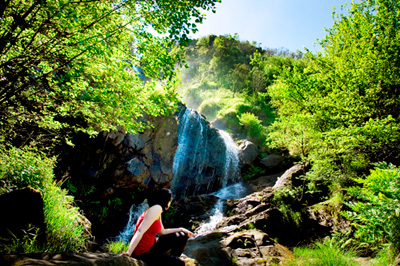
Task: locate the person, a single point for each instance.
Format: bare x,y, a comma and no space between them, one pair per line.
154,251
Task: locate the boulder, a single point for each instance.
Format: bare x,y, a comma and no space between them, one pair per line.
208,250
249,247
262,182
289,176
272,160
248,151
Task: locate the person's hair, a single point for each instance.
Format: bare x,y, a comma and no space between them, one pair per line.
160,197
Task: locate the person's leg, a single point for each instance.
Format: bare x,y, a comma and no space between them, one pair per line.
175,242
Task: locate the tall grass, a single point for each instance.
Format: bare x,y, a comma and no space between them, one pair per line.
26,168
117,247
323,255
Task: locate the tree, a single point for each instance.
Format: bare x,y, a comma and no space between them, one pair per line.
68,65
349,91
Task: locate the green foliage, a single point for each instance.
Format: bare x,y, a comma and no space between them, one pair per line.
79,73
22,168
287,201
323,254
253,126
253,171
117,247
338,108
27,244
385,256
376,213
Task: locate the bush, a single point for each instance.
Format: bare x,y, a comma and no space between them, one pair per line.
23,168
253,126
376,214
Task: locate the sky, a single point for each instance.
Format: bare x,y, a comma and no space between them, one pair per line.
277,24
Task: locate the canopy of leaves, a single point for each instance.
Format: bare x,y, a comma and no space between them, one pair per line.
70,65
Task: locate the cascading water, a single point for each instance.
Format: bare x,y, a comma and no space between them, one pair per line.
228,165
134,213
234,191
231,164
191,148
206,161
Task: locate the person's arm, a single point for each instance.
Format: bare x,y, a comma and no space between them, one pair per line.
152,214
176,230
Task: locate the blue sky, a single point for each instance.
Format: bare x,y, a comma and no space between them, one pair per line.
290,24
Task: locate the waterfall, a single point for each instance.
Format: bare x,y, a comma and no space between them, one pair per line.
234,191
197,143
134,212
206,159
190,146
231,164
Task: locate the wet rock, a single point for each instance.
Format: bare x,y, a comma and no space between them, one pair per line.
248,151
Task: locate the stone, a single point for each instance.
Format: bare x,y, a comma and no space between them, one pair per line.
289,175
261,182
272,160
249,247
248,152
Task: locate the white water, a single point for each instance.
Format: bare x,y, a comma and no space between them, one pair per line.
192,143
231,167
234,191
134,212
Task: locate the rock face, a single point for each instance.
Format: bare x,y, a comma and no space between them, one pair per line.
258,210
118,169
111,172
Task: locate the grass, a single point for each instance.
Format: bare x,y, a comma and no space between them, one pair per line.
65,230
117,247
327,254
322,255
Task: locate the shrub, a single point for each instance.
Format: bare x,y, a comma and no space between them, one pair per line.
21,168
376,214
253,126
